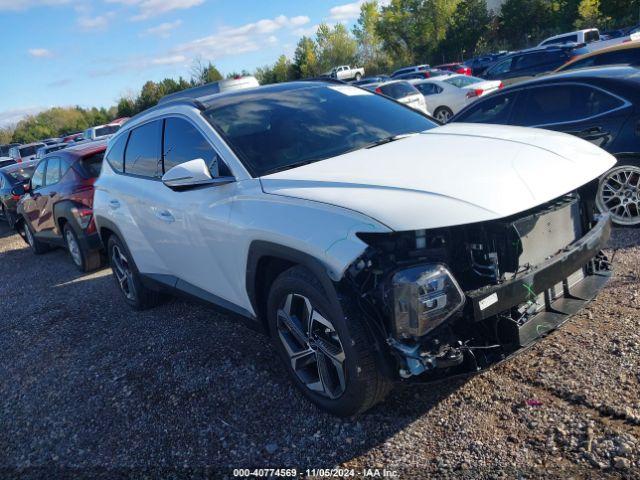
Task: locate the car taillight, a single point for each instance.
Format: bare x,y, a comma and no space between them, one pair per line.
427,74
475,93
378,90
15,198
84,217
500,86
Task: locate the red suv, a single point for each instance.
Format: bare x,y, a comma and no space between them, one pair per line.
57,208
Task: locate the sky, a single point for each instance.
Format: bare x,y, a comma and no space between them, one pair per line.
90,53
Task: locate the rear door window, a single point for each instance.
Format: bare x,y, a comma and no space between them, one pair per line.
115,155
398,90
53,171
495,109
592,36
37,180
564,103
428,88
143,156
619,57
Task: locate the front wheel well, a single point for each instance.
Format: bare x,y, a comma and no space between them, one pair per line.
267,270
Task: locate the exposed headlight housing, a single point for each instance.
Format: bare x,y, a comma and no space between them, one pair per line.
424,296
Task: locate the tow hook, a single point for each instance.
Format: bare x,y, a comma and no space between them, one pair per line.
418,362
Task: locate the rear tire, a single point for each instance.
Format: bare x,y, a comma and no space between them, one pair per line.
84,260
128,278
443,114
38,247
328,354
358,77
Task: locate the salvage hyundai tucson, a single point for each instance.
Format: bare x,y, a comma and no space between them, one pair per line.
339,221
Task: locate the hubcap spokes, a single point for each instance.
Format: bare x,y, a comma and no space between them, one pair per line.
313,346
620,196
123,274
74,248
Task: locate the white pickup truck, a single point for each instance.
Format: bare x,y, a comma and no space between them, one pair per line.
345,72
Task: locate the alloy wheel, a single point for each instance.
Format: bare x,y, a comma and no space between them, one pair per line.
619,194
123,273
313,346
443,116
73,247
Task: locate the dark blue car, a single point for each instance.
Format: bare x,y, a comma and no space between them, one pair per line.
601,105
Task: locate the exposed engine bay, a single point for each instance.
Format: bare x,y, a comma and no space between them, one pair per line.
459,299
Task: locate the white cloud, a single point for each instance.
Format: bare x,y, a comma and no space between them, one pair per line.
40,52
164,29
12,117
245,38
16,5
168,60
153,8
99,22
350,11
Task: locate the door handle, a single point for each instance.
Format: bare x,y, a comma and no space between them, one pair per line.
114,204
165,216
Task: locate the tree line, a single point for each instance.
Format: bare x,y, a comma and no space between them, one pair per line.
403,32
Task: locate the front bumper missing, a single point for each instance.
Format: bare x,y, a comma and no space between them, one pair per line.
526,308
543,279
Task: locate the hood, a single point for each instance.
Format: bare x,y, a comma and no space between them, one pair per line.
451,175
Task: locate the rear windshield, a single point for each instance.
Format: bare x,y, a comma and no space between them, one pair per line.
108,130
92,164
398,90
28,151
592,36
21,174
277,130
462,81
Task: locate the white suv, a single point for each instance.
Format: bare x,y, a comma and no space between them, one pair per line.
370,243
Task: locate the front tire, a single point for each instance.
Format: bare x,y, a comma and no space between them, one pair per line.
128,278
84,260
619,195
36,245
328,355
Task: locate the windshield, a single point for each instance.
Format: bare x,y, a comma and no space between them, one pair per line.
107,130
21,174
276,130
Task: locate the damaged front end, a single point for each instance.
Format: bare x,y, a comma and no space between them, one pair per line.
459,299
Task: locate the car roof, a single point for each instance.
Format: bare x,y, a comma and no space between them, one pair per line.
595,53
32,144
84,149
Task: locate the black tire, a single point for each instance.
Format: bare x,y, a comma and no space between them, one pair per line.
443,114
38,247
84,260
9,217
365,383
358,77
136,294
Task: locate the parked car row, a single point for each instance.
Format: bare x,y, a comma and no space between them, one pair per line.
371,242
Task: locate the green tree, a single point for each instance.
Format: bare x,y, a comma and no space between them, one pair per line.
468,30
412,30
335,46
371,53
202,73
590,15
126,107
525,22
305,59
621,12
150,95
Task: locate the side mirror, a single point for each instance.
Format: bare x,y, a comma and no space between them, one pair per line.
191,174
18,191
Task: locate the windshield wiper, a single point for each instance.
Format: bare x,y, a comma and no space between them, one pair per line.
389,139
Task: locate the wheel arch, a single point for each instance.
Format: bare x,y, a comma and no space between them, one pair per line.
266,261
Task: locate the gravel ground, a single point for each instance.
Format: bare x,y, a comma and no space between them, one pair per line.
90,389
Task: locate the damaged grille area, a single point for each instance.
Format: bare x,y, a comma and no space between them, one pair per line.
519,278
